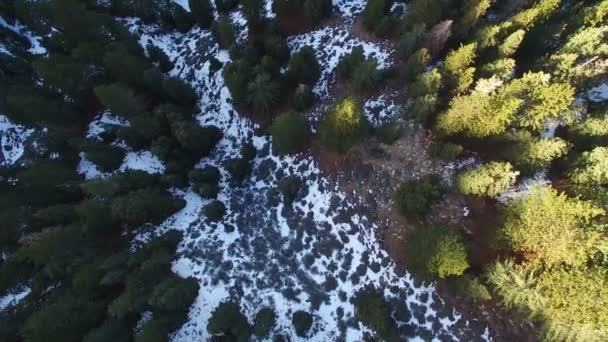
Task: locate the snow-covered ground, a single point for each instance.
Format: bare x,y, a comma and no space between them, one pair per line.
330,44
314,255
598,93
13,298
36,47
12,140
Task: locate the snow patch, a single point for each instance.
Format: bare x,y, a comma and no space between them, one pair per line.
36,47
13,298
12,140
598,93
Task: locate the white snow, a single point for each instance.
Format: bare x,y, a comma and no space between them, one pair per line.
142,160
13,298
598,93
382,109
330,44
349,8
101,122
314,256
12,140
36,47
183,3
523,187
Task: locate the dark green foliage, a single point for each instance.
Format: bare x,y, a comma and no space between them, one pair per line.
224,6
469,287
366,75
290,187
54,215
124,67
202,11
111,330
389,132
174,294
183,19
433,251
215,210
374,13
416,63
224,31
205,181
67,319
153,331
194,138
120,99
179,91
145,205
350,62
240,168
374,311
228,320
143,130
104,156
289,132
410,40
263,93
302,322
264,322
313,11
415,198
303,97
446,151
303,67
159,57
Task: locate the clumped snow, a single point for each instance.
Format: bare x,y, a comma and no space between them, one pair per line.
134,160
314,255
12,140
382,109
598,93
349,8
13,298
330,44
36,47
523,187
183,3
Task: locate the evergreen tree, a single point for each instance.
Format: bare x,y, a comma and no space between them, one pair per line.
289,132
120,99
488,180
223,31
264,322
228,320
415,198
303,67
591,167
366,75
302,322
511,43
202,11
373,310
343,126
556,228
263,93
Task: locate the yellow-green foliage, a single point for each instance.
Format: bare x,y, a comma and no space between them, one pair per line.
541,98
487,180
555,228
535,153
450,258
592,167
458,61
343,126
511,43
478,115
570,302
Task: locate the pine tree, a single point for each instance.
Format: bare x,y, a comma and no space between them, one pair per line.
120,99
343,126
263,93
511,43
223,31
289,132
556,228
488,180
202,11
591,167
303,67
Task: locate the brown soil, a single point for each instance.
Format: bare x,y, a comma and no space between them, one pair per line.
371,172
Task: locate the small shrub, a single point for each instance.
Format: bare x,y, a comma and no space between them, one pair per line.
290,186
215,210
446,151
302,322
469,287
433,251
343,126
289,132
373,310
390,132
415,198
303,97
228,320
264,322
